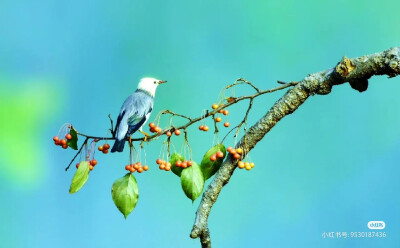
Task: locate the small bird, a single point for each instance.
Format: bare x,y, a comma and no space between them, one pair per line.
135,112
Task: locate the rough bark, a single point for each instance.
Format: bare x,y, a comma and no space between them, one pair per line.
356,71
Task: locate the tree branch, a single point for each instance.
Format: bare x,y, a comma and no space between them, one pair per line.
191,121
356,71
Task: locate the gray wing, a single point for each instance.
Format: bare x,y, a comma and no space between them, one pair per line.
134,113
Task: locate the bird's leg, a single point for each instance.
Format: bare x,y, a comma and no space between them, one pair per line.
130,141
146,135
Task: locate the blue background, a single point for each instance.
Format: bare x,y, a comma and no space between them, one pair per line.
332,166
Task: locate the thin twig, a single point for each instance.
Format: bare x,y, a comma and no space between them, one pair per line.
192,121
112,126
79,151
226,135
175,114
242,81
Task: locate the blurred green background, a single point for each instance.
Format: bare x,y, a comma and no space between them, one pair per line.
332,166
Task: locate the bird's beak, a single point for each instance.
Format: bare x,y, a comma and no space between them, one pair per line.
162,81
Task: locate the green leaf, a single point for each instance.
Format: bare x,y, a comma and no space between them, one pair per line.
73,142
192,181
80,178
209,167
175,157
125,194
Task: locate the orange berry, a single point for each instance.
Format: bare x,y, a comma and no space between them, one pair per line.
220,154
221,111
189,163
63,142
158,161
218,119
239,150
127,167
68,136
77,165
247,165
140,170
205,128
162,166
241,164
177,132
57,142
229,149
201,127
169,134
145,167
214,106
213,157
168,167
55,138
91,167
105,151
106,146
153,129
152,125
131,169
184,164
65,146
94,162
158,129
236,156
178,163
136,166
252,165
227,124
100,148
225,112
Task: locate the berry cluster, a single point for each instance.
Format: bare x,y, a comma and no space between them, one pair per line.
62,142
154,128
204,128
221,111
136,167
92,164
236,153
184,164
104,148
163,165
246,165
216,155
177,132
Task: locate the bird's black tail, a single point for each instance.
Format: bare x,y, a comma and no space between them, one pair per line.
118,145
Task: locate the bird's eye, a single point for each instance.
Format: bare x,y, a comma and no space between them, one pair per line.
155,82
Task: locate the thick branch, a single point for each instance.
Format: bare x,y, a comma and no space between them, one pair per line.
356,71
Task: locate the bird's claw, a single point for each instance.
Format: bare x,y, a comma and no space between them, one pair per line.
146,135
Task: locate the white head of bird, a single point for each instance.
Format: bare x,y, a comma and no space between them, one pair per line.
150,85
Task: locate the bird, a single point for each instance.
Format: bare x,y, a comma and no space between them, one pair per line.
135,112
